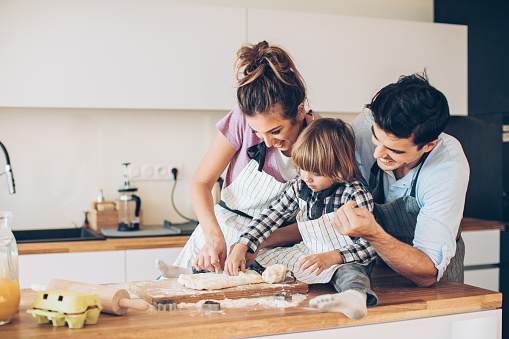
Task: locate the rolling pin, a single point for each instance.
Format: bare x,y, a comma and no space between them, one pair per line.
114,300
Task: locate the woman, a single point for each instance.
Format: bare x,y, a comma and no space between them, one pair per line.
255,142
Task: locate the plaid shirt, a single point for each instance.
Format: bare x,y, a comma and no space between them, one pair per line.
286,208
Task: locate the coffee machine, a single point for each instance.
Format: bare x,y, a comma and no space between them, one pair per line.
129,204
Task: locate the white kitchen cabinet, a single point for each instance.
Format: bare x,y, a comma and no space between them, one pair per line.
482,254
346,60
487,278
482,247
140,264
165,55
474,325
118,54
91,267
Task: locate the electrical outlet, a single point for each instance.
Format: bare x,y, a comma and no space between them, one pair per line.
148,172
162,172
151,172
134,172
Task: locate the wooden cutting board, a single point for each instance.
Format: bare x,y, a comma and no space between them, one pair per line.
154,291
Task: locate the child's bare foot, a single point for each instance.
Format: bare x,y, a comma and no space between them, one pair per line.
169,271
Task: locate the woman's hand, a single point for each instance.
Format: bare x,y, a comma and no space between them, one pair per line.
212,255
236,260
317,263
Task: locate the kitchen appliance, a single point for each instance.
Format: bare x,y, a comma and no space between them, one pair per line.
481,137
129,214
129,205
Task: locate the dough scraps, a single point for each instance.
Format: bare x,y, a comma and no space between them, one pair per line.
274,274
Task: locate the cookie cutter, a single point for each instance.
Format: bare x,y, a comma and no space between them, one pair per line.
166,305
283,296
289,277
210,305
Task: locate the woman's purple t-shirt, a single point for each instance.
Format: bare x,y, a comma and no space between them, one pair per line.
238,133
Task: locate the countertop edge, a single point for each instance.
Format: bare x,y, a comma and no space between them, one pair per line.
102,245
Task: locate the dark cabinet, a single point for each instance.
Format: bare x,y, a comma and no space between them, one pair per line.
488,50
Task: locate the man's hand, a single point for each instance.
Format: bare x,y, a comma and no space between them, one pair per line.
317,263
236,260
212,255
356,222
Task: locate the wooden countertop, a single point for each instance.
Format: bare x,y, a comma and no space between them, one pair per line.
111,244
473,224
397,302
467,224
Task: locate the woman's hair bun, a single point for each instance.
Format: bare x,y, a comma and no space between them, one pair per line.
256,55
267,76
252,61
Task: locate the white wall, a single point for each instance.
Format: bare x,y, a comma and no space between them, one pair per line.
414,10
61,157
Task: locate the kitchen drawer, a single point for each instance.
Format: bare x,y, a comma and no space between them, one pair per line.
485,278
140,264
92,267
482,247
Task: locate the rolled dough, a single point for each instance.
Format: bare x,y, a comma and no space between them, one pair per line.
217,281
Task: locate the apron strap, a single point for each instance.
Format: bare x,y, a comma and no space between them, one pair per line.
258,152
414,180
376,183
245,215
223,205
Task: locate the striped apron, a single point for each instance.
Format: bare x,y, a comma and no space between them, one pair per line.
246,197
318,236
399,218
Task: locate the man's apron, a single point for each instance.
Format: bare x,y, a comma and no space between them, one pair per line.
399,218
318,236
246,197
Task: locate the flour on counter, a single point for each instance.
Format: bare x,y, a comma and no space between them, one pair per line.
265,302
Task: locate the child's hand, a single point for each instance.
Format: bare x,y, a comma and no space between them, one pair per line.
317,263
236,260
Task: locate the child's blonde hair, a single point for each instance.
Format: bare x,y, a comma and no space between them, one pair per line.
327,148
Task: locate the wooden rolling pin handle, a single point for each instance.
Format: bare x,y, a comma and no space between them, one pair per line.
137,304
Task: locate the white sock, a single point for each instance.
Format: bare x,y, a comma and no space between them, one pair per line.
351,303
169,271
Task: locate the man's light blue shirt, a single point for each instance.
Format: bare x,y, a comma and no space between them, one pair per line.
440,191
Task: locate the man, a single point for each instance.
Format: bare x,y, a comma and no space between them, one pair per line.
418,176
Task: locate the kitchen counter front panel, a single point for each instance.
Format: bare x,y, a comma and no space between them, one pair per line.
398,303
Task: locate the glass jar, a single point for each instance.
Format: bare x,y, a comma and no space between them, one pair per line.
9,285
129,206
